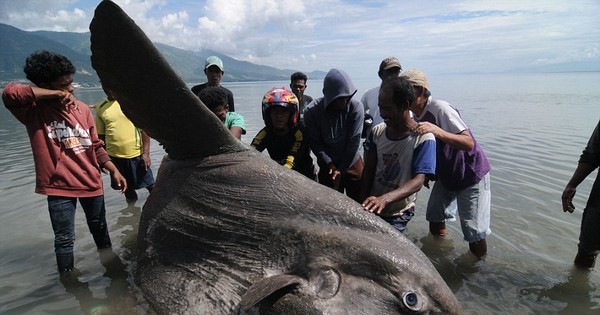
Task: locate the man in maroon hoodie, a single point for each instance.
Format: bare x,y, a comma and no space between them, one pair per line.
67,153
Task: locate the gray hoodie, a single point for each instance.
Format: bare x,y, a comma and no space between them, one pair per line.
334,136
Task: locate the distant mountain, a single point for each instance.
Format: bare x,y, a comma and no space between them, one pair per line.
18,44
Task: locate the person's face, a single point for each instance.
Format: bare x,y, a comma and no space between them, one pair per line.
62,83
417,106
390,112
339,104
298,87
221,112
391,72
213,75
280,116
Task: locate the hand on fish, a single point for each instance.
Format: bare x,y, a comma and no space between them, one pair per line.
375,204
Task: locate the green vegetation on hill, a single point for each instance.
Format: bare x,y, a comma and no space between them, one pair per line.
18,44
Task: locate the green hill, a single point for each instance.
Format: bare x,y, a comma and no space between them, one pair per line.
18,44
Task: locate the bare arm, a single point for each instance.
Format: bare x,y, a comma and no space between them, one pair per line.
582,171
368,174
146,149
377,204
114,172
103,138
66,98
460,141
236,132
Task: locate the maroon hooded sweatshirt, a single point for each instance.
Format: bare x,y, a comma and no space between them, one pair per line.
66,149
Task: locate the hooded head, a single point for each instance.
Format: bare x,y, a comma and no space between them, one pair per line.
337,83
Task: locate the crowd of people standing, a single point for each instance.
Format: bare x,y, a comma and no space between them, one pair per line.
410,140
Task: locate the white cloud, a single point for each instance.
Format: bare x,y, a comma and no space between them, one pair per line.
436,36
44,15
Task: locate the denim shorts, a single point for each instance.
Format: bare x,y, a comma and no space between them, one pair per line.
473,204
400,221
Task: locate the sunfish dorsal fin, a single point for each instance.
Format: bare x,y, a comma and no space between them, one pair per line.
151,94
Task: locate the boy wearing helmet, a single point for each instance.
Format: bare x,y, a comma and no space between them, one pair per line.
282,136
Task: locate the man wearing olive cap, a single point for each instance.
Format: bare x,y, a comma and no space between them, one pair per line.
213,69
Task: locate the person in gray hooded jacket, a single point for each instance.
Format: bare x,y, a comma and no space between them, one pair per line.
334,125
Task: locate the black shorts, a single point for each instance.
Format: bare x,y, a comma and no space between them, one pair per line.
134,171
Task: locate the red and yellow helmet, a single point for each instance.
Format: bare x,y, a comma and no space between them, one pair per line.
280,97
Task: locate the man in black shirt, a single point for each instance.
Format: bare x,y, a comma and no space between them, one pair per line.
213,68
298,86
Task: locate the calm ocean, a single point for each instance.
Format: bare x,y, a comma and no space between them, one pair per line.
533,128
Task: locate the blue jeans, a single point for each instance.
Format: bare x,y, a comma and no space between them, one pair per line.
400,221
62,216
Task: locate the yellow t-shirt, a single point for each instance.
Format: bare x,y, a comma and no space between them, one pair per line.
123,139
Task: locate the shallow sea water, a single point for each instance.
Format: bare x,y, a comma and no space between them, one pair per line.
533,128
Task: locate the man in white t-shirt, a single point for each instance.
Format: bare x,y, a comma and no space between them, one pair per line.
397,161
389,67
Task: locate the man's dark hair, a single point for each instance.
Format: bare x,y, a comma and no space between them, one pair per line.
45,67
403,92
426,93
298,76
213,97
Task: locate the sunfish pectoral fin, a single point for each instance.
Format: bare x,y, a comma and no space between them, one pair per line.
151,94
266,287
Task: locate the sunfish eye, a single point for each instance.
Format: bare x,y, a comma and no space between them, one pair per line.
326,282
411,301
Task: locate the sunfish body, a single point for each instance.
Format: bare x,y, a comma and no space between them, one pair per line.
228,231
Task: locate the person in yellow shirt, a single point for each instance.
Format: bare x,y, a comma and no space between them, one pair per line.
127,146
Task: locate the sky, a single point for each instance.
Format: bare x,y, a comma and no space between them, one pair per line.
434,36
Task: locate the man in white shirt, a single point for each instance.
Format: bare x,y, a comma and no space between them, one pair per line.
389,66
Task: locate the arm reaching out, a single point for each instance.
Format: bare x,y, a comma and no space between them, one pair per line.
582,171
114,172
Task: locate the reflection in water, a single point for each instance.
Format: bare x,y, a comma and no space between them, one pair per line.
439,250
79,289
119,293
118,298
127,224
532,138
575,293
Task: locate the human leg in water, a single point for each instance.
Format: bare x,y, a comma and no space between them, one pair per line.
95,214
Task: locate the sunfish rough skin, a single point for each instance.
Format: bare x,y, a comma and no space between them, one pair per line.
228,231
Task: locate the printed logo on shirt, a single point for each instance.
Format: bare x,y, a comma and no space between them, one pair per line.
391,171
76,139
